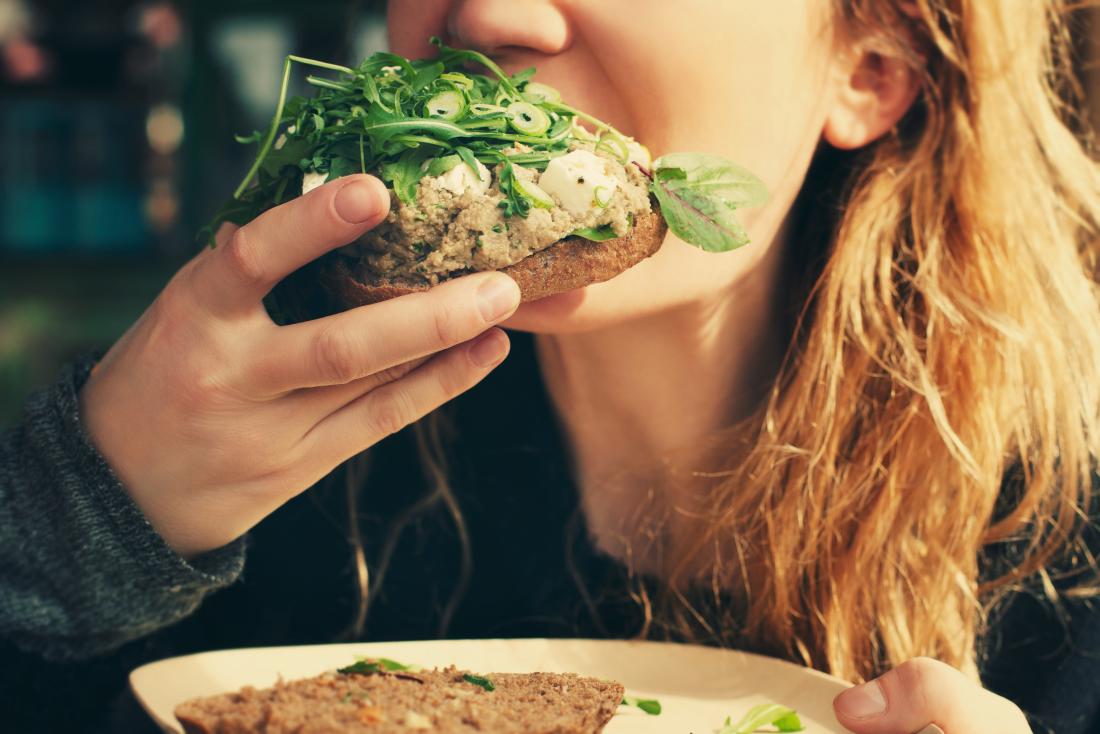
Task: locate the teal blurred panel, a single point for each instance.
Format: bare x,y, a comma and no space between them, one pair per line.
108,217
32,216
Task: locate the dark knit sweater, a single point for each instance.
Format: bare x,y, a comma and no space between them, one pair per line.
88,590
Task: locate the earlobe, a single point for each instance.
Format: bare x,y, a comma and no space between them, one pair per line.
870,100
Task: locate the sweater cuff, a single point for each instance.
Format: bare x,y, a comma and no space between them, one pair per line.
131,529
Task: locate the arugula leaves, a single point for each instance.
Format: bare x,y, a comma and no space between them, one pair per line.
515,203
766,714
699,194
405,173
376,118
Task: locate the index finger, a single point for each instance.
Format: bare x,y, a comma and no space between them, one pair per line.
244,268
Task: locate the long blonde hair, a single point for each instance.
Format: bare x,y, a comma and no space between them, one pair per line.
951,338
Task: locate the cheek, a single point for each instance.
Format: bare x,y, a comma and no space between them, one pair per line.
747,81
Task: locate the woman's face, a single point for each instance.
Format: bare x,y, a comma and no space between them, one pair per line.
745,80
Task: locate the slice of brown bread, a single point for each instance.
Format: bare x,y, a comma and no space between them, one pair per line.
331,284
567,264
435,701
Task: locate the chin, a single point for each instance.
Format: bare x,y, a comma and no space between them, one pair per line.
678,275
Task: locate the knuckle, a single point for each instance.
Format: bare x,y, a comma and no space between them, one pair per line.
454,377
198,390
245,258
448,329
392,414
334,355
918,677
392,374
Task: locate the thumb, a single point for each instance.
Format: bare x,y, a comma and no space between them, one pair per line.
924,696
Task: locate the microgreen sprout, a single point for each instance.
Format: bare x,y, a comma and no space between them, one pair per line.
367,666
477,680
782,718
649,705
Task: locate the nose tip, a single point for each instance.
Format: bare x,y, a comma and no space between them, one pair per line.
492,25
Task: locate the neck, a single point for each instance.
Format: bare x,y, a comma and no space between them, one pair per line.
638,402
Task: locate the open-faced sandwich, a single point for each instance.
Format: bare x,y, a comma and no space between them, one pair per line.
486,172
385,697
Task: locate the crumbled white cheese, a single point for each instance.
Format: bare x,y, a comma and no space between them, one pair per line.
413,720
312,180
579,181
461,178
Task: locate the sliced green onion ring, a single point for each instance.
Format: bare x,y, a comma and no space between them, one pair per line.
614,145
481,108
460,79
539,92
528,119
449,105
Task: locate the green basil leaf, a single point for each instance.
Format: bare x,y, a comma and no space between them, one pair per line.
603,233
699,194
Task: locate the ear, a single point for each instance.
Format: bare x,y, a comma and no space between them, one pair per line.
871,97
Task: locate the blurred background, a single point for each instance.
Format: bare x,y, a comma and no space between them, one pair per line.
117,120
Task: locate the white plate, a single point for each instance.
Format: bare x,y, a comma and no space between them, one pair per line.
698,687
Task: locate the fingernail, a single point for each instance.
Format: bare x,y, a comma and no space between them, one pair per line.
862,702
356,202
489,349
497,297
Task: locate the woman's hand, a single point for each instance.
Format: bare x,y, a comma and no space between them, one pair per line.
921,695
213,416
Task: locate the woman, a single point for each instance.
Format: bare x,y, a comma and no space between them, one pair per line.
854,443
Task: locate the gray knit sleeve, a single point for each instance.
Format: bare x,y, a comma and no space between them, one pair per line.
81,569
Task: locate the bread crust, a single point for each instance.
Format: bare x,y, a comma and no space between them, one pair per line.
330,285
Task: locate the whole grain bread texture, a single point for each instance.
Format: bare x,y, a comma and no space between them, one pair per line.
331,284
440,701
